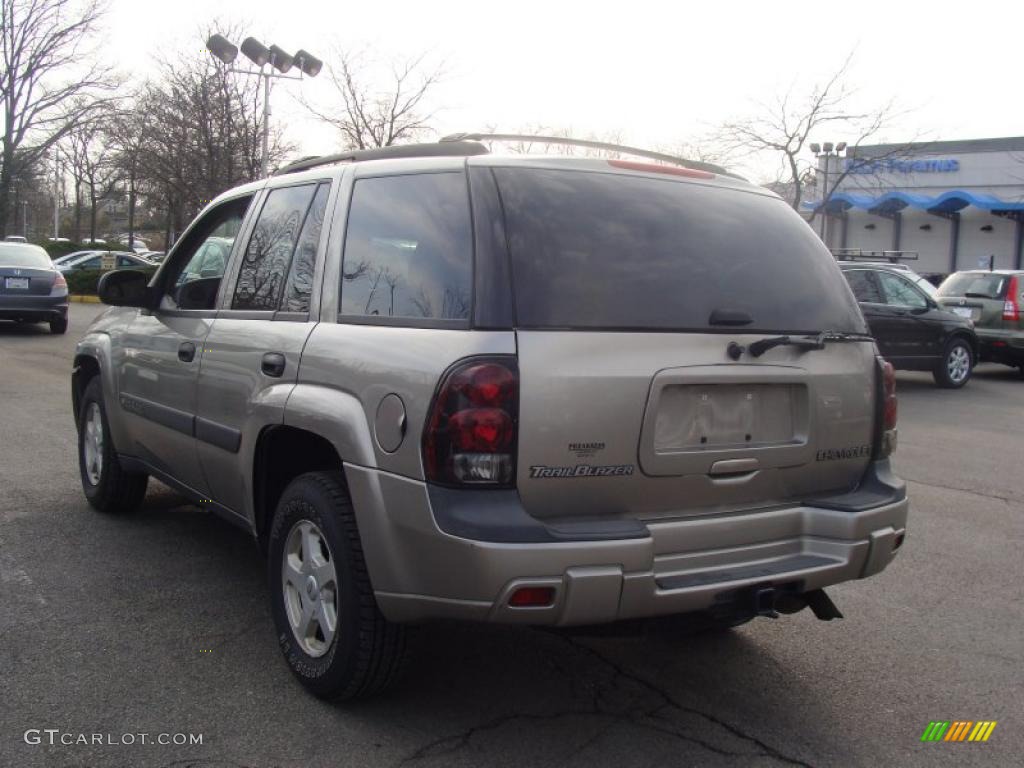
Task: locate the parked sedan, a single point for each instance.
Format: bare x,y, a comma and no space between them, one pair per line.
993,300
32,290
912,331
94,260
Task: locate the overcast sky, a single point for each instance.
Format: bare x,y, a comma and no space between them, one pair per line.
656,73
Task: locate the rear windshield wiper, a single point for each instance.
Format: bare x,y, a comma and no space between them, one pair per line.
809,343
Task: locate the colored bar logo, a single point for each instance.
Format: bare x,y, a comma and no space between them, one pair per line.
958,730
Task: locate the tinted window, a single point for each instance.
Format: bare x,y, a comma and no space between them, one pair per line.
978,284
596,250
864,286
268,256
408,248
899,292
300,277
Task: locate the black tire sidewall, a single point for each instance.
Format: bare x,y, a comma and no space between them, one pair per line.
307,499
59,326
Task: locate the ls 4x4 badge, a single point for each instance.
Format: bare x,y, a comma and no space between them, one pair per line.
581,470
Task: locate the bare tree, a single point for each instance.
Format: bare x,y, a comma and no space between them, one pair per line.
785,126
203,133
129,132
367,116
49,80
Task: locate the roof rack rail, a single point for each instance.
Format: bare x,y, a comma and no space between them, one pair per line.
696,165
440,149
858,254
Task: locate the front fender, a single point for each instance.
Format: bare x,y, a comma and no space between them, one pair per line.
97,347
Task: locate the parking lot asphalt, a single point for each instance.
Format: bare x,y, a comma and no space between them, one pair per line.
159,623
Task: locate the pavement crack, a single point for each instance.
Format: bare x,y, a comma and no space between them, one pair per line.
970,491
670,701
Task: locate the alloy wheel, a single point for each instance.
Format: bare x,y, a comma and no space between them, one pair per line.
93,444
958,364
310,586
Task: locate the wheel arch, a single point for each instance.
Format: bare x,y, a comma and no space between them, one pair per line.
970,338
283,453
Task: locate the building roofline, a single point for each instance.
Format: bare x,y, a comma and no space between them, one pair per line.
999,144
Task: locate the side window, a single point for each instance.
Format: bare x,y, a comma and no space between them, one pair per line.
264,268
197,266
864,286
300,277
900,293
408,249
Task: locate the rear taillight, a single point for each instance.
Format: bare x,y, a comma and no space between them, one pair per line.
1011,309
472,429
885,423
60,285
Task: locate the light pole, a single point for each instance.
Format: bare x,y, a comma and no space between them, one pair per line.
826,151
56,198
267,60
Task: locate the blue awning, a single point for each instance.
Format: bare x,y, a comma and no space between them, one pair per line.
890,202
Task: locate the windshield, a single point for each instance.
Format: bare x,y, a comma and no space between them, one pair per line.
14,255
981,284
612,251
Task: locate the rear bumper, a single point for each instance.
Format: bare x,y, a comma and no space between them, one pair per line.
420,572
33,307
1000,346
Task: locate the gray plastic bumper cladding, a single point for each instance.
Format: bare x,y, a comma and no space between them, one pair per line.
442,553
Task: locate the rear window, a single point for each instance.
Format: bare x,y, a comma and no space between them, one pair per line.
13,255
610,251
980,285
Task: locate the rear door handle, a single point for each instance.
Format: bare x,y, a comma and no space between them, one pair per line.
187,352
273,364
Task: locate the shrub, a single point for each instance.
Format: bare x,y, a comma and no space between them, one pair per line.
83,282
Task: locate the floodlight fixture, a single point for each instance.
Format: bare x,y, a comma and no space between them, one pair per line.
222,48
281,60
308,63
815,148
256,51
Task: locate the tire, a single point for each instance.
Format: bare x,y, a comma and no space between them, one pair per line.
957,365
107,486
313,542
58,325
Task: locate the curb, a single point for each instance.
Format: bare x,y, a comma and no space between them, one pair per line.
85,299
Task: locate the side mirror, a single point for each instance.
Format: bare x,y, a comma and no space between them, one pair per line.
124,288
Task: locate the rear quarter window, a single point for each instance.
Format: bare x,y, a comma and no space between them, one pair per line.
613,251
408,249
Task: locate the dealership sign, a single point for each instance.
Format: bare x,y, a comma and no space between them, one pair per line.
902,165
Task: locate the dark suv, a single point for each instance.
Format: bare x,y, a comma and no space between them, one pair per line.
530,390
913,332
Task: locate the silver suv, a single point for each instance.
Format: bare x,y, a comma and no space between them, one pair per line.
437,383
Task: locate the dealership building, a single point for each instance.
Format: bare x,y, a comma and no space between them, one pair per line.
957,204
